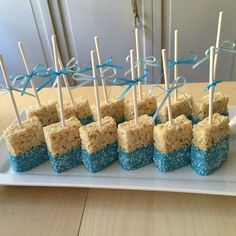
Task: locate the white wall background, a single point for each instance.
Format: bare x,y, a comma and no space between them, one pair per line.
197,25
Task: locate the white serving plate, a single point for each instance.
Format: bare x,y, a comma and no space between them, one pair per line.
222,182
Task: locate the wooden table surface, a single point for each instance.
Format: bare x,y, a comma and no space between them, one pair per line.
45,211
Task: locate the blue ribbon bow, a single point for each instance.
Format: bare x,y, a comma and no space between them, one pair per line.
24,80
70,68
174,85
226,46
106,63
213,84
184,60
129,82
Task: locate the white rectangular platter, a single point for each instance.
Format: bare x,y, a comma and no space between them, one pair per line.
222,182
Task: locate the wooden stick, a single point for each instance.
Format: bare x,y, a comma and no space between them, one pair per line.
65,79
98,51
137,43
219,29
95,82
165,68
134,87
5,76
176,69
55,54
22,52
211,79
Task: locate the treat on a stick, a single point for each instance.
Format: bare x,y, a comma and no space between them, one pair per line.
78,107
99,139
135,137
63,138
182,103
146,103
172,140
110,106
25,140
210,145
200,107
45,112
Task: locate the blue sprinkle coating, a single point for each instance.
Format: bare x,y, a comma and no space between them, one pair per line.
86,120
137,158
166,162
30,159
99,160
195,121
205,162
66,161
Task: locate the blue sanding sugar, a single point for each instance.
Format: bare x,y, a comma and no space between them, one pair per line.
137,158
66,161
195,121
30,159
205,162
166,162
99,160
87,120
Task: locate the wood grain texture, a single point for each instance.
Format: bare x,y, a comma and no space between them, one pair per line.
139,213
40,211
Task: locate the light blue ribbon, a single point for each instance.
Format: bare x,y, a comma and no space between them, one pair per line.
70,68
213,84
129,82
106,63
226,46
6,90
192,60
86,79
147,61
174,85
24,80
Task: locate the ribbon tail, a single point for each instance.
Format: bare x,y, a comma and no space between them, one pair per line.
159,108
43,85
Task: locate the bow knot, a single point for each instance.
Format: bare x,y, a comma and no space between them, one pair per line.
177,83
226,46
212,84
129,82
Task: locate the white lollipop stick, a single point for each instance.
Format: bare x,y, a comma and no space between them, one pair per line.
5,76
55,54
22,52
98,51
167,85
95,82
137,43
219,29
211,79
65,79
134,87
176,69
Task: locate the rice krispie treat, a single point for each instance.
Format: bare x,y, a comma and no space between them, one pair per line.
201,107
26,145
210,144
172,144
47,113
183,106
99,144
135,143
80,109
64,144
114,108
147,105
